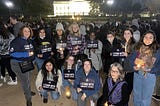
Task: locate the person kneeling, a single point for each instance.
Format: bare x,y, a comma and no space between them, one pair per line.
115,89
49,79
87,84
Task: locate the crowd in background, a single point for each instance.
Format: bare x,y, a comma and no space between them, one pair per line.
73,55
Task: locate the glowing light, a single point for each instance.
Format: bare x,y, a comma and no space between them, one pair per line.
68,92
74,7
110,2
9,4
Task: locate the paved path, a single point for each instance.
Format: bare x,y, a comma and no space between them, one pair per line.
13,96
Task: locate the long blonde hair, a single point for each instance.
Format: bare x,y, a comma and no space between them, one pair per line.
71,28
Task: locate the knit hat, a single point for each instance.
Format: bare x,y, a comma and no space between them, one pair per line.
59,26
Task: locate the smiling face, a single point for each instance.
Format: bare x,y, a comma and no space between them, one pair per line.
75,28
87,66
110,37
115,73
59,32
49,66
70,61
42,33
92,36
26,32
148,39
127,35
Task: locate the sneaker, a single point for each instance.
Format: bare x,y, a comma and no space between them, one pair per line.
29,103
33,93
45,100
4,79
1,84
156,97
11,82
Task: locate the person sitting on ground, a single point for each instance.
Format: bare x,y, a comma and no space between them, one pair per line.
68,75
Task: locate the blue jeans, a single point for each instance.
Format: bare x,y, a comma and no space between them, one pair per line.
54,95
39,62
74,94
93,97
143,87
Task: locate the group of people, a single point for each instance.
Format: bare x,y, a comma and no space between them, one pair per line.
72,63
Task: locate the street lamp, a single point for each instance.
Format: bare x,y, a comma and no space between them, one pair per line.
110,2
9,4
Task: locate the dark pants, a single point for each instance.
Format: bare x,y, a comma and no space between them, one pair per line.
5,63
129,80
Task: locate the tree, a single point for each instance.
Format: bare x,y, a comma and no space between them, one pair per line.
153,6
33,7
95,8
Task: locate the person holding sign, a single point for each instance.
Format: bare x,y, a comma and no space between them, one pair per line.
49,79
44,47
21,51
87,84
110,45
94,50
61,45
75,41
68,75
115,89
128,44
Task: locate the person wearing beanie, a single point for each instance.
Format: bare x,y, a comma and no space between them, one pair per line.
61,42
59,26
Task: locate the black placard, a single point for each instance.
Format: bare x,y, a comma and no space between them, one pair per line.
69,74
118,52
87,84
92,44
46,48
76,41
61,45
50,85
26,66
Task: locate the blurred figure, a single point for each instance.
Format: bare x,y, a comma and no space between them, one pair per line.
5,39
16,24
94,50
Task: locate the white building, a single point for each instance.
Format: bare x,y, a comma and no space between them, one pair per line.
72,7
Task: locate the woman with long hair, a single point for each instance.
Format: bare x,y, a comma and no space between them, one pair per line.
145,62
49,73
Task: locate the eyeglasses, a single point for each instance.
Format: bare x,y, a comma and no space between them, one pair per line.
71,59
113,71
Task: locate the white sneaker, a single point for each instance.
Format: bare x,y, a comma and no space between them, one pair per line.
1,84
4,79
92,103
11,82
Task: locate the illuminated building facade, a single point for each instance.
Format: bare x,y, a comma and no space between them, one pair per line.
72,7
